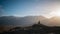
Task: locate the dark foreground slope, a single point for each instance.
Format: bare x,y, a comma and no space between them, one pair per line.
34,29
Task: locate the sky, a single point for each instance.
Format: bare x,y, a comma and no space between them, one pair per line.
28,7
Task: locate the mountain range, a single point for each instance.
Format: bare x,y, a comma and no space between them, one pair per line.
28,20
8,22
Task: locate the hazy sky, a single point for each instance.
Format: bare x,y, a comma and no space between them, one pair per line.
28,7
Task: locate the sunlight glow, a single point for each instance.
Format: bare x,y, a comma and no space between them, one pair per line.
56,13
53,13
